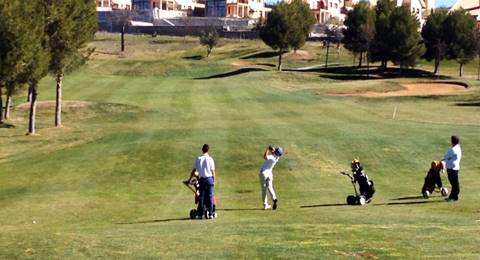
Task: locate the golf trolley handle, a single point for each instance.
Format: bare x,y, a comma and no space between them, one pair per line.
187,183
350,176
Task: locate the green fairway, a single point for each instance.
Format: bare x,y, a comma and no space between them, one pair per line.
108,183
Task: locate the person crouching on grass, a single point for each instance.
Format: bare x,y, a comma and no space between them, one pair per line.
205,166
271,156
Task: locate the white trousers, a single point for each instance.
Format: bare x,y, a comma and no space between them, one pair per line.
266,183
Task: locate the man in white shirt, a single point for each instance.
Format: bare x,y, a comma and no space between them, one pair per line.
205,166
271,156
452,161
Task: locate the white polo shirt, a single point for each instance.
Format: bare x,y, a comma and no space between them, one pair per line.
453,157
204,165
269,163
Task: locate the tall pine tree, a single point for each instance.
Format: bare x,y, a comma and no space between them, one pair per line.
283,31
434,38
380,47
461,38
70,26
360,29
21,34
404,38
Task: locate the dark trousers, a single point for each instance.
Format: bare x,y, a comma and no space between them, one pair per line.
206,195
453,179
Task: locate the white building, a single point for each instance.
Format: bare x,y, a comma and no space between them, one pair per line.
325,10
246,9
109,5
420,8
472,6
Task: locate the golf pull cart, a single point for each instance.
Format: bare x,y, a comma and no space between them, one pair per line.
194,186
356,199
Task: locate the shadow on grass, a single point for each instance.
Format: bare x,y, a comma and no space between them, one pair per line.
263,54
5,125
266,64
232,73
325,205
468,104
153,221
409,203
195,57
359,73
240,209
409,198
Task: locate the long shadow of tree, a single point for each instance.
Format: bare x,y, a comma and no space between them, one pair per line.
260,55
468,104
360,73
231,73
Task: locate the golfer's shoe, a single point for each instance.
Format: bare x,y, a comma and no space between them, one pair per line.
275,204
199,217
265,207
451,200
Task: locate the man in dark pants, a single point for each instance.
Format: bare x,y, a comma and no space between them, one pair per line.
205,166
452,161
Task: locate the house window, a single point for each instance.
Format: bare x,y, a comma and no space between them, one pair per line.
336,5
331,5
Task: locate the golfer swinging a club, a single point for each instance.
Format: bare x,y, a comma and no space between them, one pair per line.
271,156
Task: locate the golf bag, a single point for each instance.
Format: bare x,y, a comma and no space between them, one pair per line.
194,186
366,186
434,180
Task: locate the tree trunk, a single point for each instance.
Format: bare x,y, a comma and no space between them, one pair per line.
58,101
461,70
280,53
1,106
326,57
8,103
368,66
478,70
33,109
209,51
360,60
29,94
437,64
122,38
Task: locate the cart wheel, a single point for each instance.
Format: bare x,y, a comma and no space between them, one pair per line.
193,213
426,194
361,200
444,191
351,200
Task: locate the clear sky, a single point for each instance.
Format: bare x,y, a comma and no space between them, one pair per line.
439,3
445,3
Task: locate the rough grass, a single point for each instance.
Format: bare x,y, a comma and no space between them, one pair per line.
108,184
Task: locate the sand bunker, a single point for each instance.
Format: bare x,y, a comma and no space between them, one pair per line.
51,104
415,89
